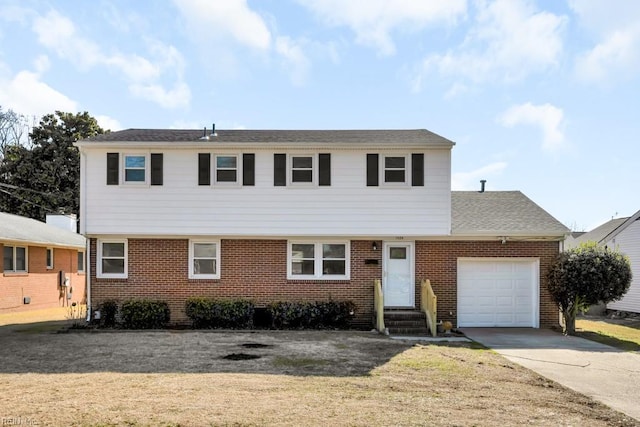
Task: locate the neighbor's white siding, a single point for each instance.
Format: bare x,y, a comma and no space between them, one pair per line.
628,242
347,207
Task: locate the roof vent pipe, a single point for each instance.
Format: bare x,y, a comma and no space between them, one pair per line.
482,183
204,134
213,130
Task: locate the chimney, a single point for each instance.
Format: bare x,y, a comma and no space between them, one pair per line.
482,183
66,222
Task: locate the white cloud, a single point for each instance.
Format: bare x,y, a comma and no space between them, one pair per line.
108,123
616,53
471,180
228,18
58,33
27,94
509,40
295,60
547,117
373,21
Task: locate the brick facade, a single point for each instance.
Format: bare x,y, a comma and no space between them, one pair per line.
256,269
40,283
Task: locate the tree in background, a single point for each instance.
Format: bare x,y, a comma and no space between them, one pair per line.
45,177
14,130
587,275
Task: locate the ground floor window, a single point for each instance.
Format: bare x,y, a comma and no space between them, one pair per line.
112,259
318,260
49,258
204,259
80,261
15,259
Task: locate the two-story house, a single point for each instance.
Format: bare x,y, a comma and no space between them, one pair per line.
292,215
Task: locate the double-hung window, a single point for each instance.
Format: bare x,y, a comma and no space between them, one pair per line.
112,259
80,261
204,259
226,169
49,258
318,260
15,259
135,168
395,170
302,169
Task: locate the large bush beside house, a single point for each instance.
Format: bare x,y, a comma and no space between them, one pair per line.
108,311
312,315
207,313
145,314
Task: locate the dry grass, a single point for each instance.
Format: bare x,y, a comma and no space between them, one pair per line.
621,333
45,315
301,378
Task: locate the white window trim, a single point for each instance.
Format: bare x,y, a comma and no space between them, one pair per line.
50,266
147,169
26,259
84,262
99,272
317,252
407,171
314,170
192,275
238,181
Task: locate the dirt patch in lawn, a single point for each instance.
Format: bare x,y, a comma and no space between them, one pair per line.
299,378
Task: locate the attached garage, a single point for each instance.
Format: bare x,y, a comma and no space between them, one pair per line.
498,292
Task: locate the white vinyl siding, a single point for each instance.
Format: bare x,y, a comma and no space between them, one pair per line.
327,260
112,260
628,242
346,208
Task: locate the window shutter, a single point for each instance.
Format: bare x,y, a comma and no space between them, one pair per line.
113,167
279,170
156,168
324,161
204,168
417,170
372,170
248,169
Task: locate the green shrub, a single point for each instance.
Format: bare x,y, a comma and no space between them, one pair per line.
145,314
108,311
212,313
312,315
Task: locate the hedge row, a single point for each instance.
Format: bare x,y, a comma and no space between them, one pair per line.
135,314
206,313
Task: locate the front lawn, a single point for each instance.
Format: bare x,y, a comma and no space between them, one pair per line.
621,333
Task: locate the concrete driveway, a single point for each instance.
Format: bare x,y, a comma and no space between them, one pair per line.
602,372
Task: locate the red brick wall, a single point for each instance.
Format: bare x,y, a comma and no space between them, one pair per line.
437,261
40,283
256,269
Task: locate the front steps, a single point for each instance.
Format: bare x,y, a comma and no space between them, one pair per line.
406,322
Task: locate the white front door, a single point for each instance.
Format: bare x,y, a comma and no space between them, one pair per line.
398,281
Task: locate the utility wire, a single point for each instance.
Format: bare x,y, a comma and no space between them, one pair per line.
25,200
15,187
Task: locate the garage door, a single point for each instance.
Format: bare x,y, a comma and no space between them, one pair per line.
498,292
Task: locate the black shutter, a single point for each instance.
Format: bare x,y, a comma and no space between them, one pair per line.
113,161
248,169
156,168
372,170
204,168
324,161
279,170
417,170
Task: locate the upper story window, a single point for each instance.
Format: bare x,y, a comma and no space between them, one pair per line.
112,259
301,169
15,259
226,169
204,259
395,170
318,260
134,168
49,258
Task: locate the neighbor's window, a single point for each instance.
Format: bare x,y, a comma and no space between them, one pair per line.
318,260
204,260
80,262
301,169
226,169
395,169
134,168
112,259
49,258
15,259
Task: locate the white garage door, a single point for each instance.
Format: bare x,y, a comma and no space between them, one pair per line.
498,292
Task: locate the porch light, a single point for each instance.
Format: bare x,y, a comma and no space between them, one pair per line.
374,245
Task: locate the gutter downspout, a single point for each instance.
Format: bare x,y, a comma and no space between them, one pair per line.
83,222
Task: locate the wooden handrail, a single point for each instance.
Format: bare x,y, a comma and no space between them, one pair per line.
429,305
378,301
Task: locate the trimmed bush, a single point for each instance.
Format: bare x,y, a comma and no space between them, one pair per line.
207,313
312,315
145,314
108,311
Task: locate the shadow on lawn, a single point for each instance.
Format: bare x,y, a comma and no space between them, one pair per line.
609,340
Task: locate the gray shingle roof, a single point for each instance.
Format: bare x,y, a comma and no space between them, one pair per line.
16,228
608,230
501,213
415,136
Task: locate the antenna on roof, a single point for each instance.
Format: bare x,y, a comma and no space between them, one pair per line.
482,183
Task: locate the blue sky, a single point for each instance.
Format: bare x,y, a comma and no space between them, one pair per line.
539,96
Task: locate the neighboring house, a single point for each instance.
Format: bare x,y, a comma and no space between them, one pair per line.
309,215
43,265
622,234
